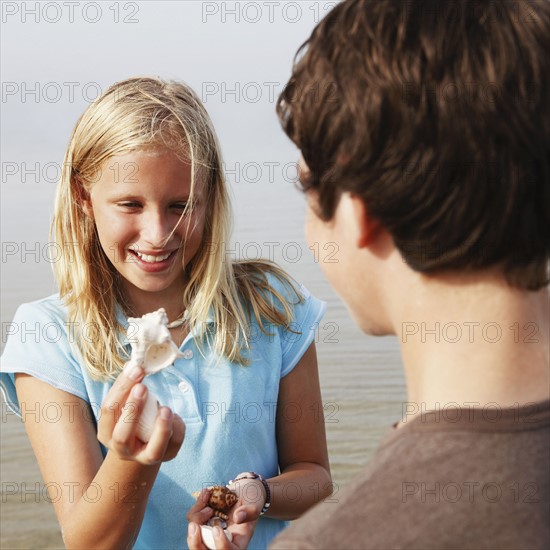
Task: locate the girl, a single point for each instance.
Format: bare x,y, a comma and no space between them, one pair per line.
142,212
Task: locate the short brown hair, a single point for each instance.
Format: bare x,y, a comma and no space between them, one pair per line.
437,115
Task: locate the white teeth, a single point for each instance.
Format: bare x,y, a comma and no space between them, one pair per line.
152,259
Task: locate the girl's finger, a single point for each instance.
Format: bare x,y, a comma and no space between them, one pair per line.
194,539
130,375
242,534
123,437
200,512
115,400
155,449
245,513
178,429
220,539
201,516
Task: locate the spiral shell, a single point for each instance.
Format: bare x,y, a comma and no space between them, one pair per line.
221,500
152,345
153,349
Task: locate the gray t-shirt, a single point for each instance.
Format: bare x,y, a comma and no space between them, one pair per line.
463,478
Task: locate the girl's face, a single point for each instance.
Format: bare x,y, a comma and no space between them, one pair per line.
137,205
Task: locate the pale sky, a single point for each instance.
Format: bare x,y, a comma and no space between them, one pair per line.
57,56
51,67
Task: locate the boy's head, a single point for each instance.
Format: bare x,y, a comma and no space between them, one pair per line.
435,114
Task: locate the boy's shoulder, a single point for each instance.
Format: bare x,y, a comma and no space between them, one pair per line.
441,487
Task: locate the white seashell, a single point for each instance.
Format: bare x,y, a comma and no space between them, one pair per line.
148,418
152,345
153,349
208,536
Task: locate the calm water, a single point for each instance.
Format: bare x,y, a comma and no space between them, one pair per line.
361,377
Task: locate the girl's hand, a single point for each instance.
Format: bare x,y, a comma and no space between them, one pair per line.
120,413
240,524
252,498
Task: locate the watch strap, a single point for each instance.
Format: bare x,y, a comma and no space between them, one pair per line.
254,475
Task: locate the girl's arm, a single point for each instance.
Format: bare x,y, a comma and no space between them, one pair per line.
99,503
301,441
303,460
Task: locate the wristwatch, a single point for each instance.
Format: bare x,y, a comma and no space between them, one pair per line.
254,475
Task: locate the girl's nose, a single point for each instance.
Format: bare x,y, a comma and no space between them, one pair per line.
156,229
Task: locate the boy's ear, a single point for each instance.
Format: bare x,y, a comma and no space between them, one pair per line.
368,228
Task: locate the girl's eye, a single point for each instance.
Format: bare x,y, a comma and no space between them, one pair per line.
132,205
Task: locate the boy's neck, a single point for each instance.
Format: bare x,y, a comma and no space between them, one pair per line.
474,343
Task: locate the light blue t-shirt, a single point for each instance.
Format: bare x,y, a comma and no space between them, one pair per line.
229,410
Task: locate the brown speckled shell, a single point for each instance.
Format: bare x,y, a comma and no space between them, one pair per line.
221,500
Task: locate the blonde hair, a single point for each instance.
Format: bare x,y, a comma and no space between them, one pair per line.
137,114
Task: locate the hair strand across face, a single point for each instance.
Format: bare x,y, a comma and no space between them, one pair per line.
152,114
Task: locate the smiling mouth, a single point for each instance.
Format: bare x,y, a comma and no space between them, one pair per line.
152,259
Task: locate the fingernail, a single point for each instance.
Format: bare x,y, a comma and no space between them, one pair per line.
218,532
240,516
165,413
135,373
139,391
192,529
